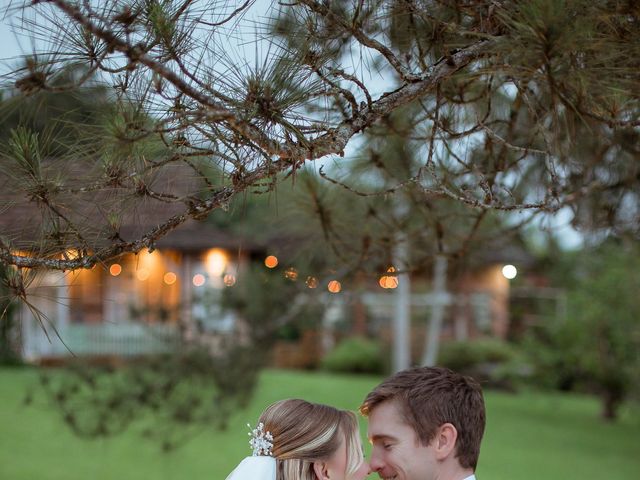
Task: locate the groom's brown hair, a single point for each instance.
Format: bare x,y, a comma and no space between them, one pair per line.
429,397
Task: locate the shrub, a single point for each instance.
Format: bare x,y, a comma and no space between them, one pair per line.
355,355
493,362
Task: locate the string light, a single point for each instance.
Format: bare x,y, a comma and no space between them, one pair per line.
334,286
71,254
389,281
509,272
271,261
229,280
170,278
291,274
198,280
115,269
311,282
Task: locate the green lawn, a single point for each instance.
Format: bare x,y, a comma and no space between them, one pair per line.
529,436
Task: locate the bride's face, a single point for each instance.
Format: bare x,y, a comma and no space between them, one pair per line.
336,466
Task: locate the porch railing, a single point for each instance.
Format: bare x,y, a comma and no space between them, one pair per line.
121,339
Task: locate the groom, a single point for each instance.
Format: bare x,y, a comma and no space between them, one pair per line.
425,423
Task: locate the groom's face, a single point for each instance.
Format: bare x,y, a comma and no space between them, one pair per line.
397,454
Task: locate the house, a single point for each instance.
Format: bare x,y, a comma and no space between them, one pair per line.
142,304
137,304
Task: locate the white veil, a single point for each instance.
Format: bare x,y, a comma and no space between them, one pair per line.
255,468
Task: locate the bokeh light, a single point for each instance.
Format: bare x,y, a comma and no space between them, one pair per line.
291,274
170,278
509,272
143,274
198,279
216,262
115,269
271,261
388,281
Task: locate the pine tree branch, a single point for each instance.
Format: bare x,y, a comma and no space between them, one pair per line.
136,53
360,36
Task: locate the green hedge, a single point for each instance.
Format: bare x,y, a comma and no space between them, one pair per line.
493,362
355,355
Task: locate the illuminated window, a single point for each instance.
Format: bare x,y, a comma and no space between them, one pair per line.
215,262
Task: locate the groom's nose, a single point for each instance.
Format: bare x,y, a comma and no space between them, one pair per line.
375,463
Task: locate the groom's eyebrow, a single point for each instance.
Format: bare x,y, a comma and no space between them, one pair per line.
381,437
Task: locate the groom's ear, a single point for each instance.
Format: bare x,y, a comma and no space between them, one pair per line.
445,441
321,470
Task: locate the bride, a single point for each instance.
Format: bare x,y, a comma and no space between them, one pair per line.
299,440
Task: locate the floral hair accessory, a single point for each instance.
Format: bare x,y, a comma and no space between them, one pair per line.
261,442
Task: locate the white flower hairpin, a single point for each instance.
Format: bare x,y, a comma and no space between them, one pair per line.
261,442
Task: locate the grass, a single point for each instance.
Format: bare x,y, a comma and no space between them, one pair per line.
529,436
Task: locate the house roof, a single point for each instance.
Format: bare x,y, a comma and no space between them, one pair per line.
27,223
200,235
506,253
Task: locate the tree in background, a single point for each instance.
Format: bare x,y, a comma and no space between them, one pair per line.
597,347
414,235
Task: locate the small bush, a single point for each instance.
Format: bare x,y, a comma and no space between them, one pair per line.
493,362
355,355
463,355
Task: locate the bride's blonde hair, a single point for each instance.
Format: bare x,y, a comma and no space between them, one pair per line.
305,432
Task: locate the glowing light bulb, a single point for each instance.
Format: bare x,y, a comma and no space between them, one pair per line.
334,286
170,278
291,274
198,280
509,272
115,269
271,261
388,281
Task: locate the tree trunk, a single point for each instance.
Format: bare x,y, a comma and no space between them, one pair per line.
610,402
430,356
401,317
359,318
